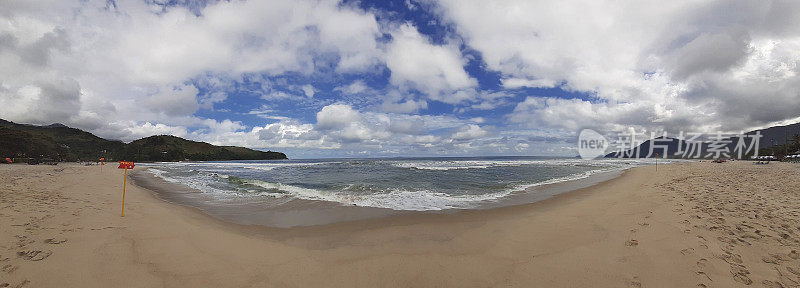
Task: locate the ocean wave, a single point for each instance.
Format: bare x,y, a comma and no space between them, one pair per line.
573,177
444,165
240,165
223,186
199,180
396,199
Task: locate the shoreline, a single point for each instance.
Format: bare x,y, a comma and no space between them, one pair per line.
686,225
311,213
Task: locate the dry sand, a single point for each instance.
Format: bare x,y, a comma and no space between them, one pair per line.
685,225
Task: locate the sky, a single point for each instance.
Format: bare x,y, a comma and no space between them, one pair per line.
399,78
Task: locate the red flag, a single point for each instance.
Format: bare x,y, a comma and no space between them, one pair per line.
126,165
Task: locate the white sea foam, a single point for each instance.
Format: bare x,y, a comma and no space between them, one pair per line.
201,181
220,185
241,165
395,199
444,165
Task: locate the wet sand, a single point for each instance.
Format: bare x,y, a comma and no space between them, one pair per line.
685,225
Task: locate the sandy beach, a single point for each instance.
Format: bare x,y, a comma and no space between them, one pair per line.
684,225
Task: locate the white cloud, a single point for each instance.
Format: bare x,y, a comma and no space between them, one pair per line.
513,83
207,102
337,116
132,130
407,106
469,132
646,63
131,56
180,100
357,87
308,90
435,70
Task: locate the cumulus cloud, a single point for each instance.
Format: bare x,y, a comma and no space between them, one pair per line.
646,63
469,132
435,70
137,56
337,116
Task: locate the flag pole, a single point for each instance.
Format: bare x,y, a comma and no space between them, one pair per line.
124,182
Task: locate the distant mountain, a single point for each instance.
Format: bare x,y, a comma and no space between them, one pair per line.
57,142
773,141
777,133
171,148
62,143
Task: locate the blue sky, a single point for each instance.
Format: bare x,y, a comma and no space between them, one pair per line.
399,78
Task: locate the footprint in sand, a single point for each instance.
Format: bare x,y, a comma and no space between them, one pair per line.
687,251
632,243
55,240
34,255
20,285
740,275
794,255
733,259
702,263
8,268
635,282
701,273
794,271
772,284
771,259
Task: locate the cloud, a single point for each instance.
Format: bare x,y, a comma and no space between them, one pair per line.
357,87
337,116
208,101
407,126
180,100
407,106
139,57
437,71
469,132
711,52
513,83
42,102
308,90
645,63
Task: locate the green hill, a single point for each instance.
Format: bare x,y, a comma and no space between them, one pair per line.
171,148
61,143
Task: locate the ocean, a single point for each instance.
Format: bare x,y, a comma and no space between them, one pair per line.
286,193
